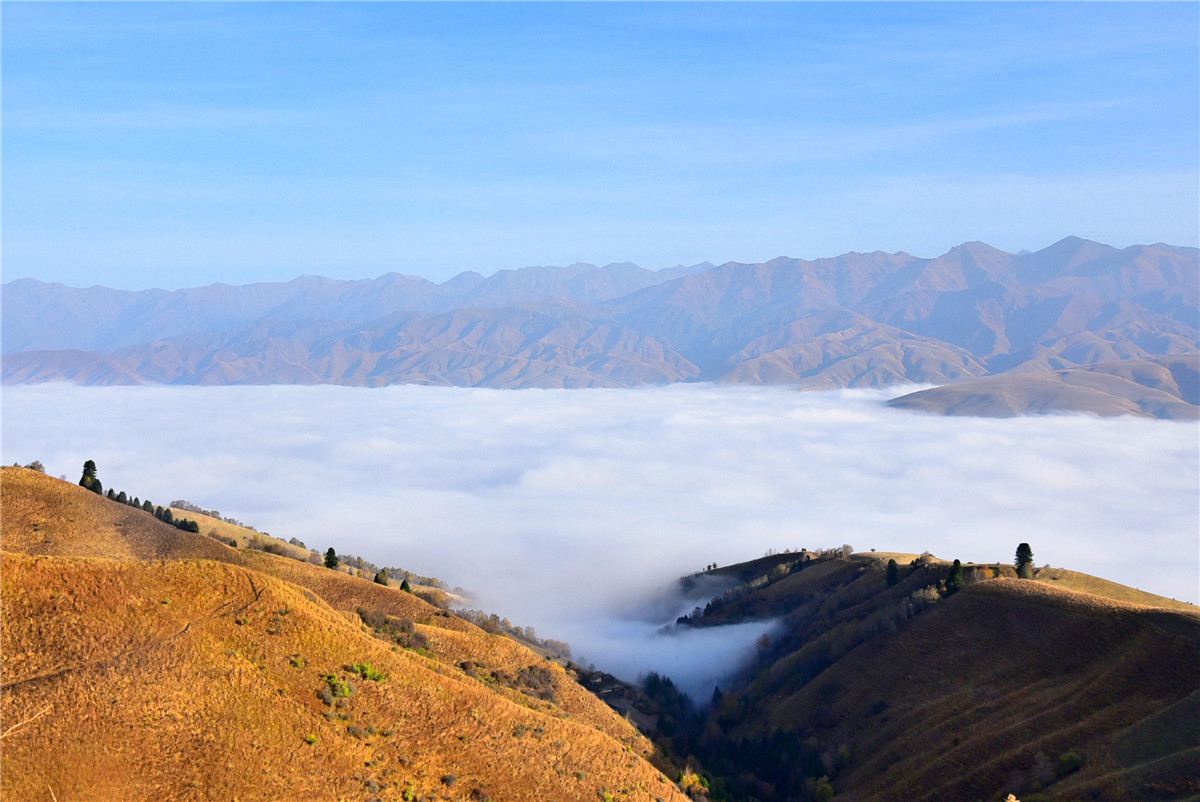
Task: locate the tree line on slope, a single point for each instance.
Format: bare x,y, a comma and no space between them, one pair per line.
489,622
90,481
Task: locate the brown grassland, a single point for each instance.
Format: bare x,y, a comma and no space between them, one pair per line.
913,695
140,662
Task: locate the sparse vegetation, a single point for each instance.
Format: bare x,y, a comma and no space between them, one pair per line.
495,625
335,688
1068,763
365,671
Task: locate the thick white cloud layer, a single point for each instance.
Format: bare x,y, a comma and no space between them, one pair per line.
560,508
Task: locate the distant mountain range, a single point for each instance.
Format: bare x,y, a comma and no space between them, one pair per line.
856,320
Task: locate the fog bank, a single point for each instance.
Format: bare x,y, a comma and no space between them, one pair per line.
558,508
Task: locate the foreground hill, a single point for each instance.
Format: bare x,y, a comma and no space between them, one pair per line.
857,320
911,690
1163,387
138,661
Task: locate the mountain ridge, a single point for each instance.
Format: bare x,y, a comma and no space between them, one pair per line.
971,312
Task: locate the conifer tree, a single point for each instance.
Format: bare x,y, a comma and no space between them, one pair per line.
331,559
1024,561
954,581
89,479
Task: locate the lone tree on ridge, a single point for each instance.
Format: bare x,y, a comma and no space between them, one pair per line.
89,479
331,559
1024,561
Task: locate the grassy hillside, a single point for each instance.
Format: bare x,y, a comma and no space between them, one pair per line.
245,538
876,691
141,662
1094,585
46,516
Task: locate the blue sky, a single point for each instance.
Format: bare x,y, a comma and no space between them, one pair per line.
179,144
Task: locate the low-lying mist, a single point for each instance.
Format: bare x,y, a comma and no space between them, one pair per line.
570,510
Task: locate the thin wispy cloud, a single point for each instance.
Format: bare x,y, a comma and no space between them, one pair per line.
482,136
561,509
159,117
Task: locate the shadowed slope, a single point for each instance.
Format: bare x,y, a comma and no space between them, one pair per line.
905,691
992,677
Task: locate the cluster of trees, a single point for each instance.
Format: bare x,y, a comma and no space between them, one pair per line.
184,504
495,625
164,514
769,767
333,559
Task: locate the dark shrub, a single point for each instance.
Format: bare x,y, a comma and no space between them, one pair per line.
1068,762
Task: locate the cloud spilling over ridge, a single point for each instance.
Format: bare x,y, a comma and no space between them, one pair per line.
561,509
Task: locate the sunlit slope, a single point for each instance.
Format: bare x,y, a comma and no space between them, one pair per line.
251,541
44,515
1094,585
786,588
242,535
189,678
30,526
196,679
910,694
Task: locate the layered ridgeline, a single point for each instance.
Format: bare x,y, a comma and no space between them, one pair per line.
905,677
857,320
142,661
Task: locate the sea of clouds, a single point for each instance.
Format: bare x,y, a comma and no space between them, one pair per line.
563,509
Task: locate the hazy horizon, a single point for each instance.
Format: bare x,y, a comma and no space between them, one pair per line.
558,508
488,273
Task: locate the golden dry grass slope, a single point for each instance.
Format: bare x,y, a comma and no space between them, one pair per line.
908,694
139,662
